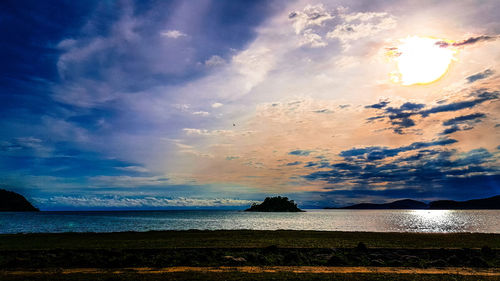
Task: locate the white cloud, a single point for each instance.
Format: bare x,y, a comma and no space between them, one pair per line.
215,61
137,169
66,44
312,15
130,202
360,25
254,64
173,34
305,21
127,181
312,39
205,132
201,113
217,105
196,153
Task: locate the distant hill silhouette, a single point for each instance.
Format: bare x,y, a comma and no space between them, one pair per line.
275,204
400,204
486,203
14,202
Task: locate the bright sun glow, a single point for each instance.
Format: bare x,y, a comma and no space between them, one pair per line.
420,60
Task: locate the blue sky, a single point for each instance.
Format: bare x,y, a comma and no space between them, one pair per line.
217,104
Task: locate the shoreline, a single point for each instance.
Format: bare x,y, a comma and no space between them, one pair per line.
267,269
241,230
247,238
250,255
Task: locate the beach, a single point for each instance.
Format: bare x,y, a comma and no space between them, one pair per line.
249,255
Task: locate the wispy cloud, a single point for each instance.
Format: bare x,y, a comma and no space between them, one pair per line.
469,41
91,202
173,34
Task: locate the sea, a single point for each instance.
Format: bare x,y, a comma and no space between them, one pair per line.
437,221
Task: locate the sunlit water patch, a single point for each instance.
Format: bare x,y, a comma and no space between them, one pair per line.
486,221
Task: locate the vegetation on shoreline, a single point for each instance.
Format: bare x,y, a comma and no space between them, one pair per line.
246,248
267,256
245,239
238,276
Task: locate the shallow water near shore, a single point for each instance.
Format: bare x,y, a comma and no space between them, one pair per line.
436,221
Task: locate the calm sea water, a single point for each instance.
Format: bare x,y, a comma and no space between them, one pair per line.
487,221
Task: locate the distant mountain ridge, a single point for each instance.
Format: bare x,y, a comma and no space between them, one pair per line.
486,203
399,204
14,202
490,203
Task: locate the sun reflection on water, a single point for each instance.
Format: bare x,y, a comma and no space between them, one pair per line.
433,220
431,215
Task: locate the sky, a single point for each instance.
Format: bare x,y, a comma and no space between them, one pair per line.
217,104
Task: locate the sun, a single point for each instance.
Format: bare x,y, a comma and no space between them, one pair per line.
420,60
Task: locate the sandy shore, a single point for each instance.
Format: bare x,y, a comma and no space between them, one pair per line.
266,269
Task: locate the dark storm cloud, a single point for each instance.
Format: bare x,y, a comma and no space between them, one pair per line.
379,105
462,123
426,171
300,152
402,117
469,41
479,186
326,111
377,153
480,98
481,75
475,117
450,130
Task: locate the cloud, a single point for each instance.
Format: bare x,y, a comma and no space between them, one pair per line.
300,152
481,75
121,88
455,106
201,113
21,144
360,25
372,153
137,202
311,15
475,118
128,181
428,171
205,132
379,105
469,41
324,111
137,169
451,130
462,123
294,163
215,61
401,117
173,34
314,40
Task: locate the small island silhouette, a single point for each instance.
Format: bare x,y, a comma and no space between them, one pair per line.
275,204
14,202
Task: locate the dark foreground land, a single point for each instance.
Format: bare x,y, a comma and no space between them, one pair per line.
250,255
